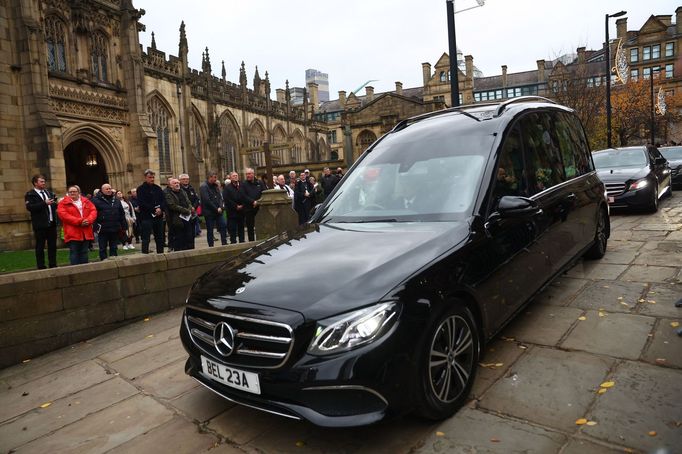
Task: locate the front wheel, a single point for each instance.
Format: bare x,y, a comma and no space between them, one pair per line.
653,205
448,363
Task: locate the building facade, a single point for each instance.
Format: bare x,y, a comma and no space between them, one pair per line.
322,81
83,103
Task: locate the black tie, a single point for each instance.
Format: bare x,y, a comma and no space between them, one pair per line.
42,193
49,210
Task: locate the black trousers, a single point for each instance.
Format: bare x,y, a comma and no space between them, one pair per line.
182,236
235,227
152,225
48,235
250,221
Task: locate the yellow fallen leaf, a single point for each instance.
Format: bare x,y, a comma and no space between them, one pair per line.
651,302
146,319
627,450
150,336
580,422
46,404
522,347
300,444
641,300
602,314
499,364
606,286
494,440
601,391
582,318
440,434
660,360
624,304
652,433
591,423
607,384
620,298
674,324
26,360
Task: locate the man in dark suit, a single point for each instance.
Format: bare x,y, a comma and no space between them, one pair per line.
233,194
42,205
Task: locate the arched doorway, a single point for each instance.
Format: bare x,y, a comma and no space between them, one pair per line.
84,166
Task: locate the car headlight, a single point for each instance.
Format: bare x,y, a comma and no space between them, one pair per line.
638,184
353,329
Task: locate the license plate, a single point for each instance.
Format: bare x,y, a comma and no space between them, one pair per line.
611,199
240,379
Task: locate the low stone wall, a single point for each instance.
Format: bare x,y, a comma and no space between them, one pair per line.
45,310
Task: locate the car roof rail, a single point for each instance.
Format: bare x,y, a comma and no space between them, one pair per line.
402,124
508,102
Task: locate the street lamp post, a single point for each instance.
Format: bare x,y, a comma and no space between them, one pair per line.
653,125
452,40
607,59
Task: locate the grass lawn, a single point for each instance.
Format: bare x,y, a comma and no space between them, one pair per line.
11,261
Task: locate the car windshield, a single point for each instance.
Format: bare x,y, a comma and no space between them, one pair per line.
672,153
610,159
431,177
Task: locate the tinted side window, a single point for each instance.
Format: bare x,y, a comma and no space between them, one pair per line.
543,157
510,176
583,163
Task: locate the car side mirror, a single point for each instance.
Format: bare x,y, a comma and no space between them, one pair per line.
660,161
511,206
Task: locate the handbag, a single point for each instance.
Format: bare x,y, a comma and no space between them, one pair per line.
198,211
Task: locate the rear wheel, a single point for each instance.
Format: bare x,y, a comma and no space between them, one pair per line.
598,248
448,362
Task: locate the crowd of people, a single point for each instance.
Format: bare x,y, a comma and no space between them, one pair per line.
109,218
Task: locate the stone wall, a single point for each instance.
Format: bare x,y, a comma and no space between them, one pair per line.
44,310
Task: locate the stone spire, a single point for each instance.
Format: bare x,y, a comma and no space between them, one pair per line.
153,41
267,85
223,72
242,76
287,92
256,81
206,64
183,39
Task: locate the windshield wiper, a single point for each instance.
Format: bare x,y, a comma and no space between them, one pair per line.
378,220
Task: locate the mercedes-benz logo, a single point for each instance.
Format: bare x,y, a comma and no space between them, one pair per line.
240,290
223,338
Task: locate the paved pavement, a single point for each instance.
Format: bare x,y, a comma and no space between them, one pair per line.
605,322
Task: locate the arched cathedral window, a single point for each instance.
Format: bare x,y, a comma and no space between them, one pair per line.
99,56
55,39
196,137
160,120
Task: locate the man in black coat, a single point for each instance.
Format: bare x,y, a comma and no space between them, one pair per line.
180,214
303,198
42,205
111,220
152,204
233,194
328,182
212,207
195,200
253,188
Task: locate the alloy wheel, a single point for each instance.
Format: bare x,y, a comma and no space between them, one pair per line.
451,358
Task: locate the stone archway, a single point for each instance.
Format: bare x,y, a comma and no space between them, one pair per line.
84,142
84,166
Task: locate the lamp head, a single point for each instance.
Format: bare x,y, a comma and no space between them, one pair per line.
618,14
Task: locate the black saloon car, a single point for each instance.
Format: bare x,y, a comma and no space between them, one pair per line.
674,157
438,235
635,177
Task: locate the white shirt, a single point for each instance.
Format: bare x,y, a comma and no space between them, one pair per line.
79,205
44,195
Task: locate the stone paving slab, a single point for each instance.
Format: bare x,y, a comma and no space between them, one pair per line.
543,325
645,398
619,257
665,348
561,291
106,429
200,404
147,360
617,335
476,431
622,245
168,381
31,395
504,352
646,273
178,433
596,270
579,446
611,296
665,297
149,340
548,387
62,412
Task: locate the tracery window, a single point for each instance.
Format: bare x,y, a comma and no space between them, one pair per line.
160,121
196,136
55,38
99,56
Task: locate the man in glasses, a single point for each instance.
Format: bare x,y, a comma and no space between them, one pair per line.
41,203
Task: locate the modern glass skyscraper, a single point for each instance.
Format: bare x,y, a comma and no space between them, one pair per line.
322,81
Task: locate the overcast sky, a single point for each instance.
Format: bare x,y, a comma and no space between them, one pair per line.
358,40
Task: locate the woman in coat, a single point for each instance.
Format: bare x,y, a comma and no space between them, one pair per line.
77,215
129,211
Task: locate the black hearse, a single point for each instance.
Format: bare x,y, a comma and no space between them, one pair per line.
435,238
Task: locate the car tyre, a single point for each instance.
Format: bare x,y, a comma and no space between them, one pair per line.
653,205
448,363
598,249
